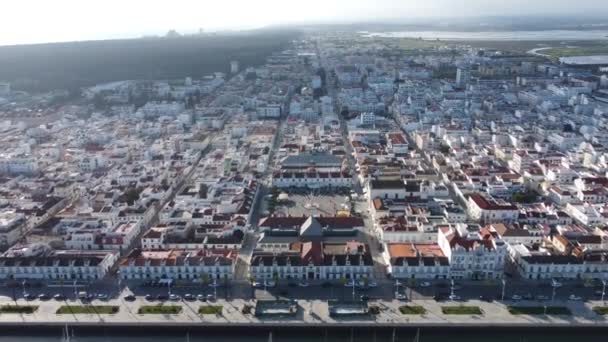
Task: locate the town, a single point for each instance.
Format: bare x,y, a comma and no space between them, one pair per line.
348,175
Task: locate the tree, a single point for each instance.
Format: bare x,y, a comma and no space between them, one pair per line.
343,284
204,278
251,282
226,286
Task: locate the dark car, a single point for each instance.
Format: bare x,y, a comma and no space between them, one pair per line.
440,297
364,298
149,297
528,296
488,299
59,296
43,296
129,298
29,296
189,297
162,297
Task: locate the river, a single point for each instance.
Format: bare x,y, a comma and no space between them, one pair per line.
347,334
495,35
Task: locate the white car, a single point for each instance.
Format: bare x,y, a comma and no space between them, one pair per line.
425,284
574,297
372,283
400,296
270,283
516,297
454,297
257,284
556,283
303,284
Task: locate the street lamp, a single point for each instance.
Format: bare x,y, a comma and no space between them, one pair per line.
504,283
553,293
603,289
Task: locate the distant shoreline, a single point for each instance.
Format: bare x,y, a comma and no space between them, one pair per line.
555,35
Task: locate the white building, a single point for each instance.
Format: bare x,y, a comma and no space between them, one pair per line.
473,253
12,226
195,265
485,209
24,263
416,261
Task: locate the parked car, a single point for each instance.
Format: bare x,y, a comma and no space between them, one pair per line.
528,296
174,297
516,297
440,297
149,297
454,297
303,283
59,296
574,297
189,297
349,284
556,283
162,297
29,296
270,283
541,297
43,296
257,284
210,298
130,298
201,297
102,296
364,298
400,296
425,284
488,299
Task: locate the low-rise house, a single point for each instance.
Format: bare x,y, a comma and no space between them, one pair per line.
194,265
416,261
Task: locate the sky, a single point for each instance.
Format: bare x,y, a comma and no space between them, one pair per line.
39,21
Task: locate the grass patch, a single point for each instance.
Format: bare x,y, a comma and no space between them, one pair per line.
160,310
412,310
539,310
576,51
210,310
87,309
600,310
20,309
461,310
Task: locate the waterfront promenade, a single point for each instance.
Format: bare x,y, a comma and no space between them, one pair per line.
310,313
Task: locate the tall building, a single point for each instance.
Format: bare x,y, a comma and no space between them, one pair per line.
234,67
5,88
463,76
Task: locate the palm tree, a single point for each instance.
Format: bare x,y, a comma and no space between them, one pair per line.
411,284
204,279
251,281
226,286
342,284
61,281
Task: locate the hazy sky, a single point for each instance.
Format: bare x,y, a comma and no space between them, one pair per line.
32,21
